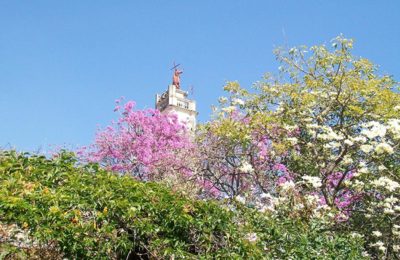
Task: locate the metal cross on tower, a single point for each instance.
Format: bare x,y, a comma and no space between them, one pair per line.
175,66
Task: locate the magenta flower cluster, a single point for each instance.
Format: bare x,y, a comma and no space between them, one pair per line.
141,142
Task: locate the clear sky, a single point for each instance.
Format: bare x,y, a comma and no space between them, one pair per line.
63,63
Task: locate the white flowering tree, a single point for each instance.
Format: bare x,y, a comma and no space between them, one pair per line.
341,135
236,150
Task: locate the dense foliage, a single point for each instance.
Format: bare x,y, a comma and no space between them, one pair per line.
59,209
305,165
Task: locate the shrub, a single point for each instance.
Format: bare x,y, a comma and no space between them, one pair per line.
85,212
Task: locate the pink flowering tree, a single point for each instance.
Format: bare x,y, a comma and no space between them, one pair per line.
240,154
144,143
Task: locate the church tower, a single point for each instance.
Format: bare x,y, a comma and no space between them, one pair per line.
176,101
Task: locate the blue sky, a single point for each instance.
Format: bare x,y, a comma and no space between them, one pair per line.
63,63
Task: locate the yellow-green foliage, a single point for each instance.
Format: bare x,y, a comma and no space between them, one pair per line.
343,119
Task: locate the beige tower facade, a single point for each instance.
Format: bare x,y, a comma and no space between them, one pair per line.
176,101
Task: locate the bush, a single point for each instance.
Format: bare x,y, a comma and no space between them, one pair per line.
84,212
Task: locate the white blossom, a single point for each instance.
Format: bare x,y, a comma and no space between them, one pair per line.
266,208
281,107
383,148
386,183
366,148
382,168
377,233
362,164
311,199
388,211
347,160
391,199
357,185
314,181
265,196
378,244
298,206
377,130
312,132
312,126
363,170
388,205
237,101
246,167
229,109
356,235
394,127
251,237
292,140
334,136
240,199
329,134
365,254
332,145
360,139
348,142
288,185
290,127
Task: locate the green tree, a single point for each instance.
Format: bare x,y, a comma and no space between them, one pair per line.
346,150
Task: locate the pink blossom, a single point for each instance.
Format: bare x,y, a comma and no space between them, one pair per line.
143,143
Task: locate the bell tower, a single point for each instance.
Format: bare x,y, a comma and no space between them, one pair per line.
176,101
